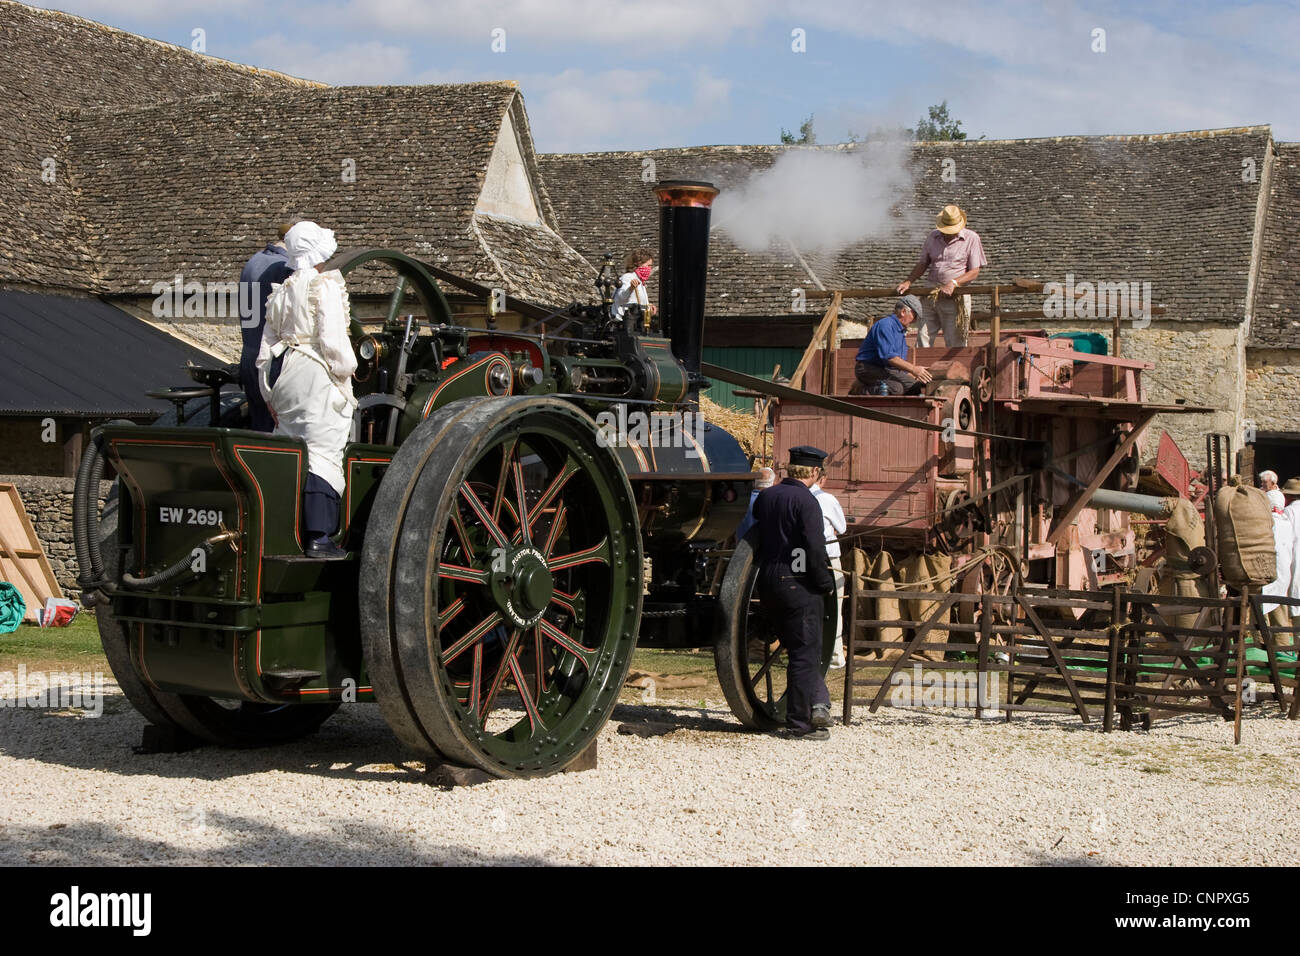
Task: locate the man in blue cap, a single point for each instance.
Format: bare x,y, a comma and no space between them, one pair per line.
265,268
883,355
794,574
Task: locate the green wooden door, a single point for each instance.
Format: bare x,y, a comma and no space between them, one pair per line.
752,360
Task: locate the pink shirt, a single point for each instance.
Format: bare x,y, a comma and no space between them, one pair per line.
948,260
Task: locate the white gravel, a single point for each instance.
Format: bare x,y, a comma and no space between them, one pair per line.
902,787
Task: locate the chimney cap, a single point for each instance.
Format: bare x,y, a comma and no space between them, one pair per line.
686,192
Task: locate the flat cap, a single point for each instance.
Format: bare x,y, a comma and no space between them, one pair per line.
807,455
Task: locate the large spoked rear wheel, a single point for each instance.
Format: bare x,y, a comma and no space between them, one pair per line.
226,723
750,661
501,585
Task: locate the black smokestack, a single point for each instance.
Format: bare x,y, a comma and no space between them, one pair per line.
683,267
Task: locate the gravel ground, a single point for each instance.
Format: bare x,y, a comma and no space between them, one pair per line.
903,787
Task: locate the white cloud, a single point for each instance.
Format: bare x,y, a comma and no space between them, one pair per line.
355,64
636,25
620,109
203,12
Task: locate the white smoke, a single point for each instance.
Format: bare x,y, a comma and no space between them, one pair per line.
822,200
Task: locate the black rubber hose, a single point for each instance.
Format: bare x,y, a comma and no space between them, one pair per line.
182,566
90,564
85,511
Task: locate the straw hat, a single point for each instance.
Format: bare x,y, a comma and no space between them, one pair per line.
950,221
1292,487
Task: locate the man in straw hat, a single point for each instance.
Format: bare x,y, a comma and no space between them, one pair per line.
953,255
266,267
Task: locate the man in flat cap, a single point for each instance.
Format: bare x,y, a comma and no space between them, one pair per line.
883,355
266,267
794,574
953,254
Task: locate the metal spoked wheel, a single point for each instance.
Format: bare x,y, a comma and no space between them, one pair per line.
750,662
994,573
500,585
226,723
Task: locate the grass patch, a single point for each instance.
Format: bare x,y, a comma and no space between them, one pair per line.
76,645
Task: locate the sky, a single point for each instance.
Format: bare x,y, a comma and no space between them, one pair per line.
662,73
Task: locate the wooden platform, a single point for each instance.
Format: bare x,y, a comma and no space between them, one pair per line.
22,559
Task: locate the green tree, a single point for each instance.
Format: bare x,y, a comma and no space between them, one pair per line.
939,125
806,135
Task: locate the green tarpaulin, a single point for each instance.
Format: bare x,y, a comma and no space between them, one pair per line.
12,608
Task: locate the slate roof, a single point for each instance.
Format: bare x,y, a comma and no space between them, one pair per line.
1276,319
603,205
194,187
1169,208
52,341
52,62
195,183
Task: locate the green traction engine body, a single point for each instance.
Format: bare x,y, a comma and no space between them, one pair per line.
520,509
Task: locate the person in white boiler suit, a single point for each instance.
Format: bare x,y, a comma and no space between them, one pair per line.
305,368
833,525
1291,492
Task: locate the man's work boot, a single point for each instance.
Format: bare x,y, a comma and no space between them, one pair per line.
821,716
324,549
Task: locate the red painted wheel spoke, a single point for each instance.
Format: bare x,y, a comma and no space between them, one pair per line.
458,572
557,525
487,520
462,534
455,607
509,454
476,678
583,653
565,600
596,554
539,649
512,648
525,532
567,471
530,705
472,636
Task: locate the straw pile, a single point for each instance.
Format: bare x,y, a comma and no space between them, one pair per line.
744,426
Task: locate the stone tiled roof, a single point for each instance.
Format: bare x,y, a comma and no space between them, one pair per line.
194,187
50,63
1172,209
194,182
605,206
1276,316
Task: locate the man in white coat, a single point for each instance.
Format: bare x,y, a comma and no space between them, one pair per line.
1291,492
1284,543
833,525
1268,484
305,368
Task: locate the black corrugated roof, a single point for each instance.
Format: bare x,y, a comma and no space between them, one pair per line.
82,357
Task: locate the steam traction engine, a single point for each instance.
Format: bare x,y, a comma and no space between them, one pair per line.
504,534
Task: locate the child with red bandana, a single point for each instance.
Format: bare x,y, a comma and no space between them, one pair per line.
632,283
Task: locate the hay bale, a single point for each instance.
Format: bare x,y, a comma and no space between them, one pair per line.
744,426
